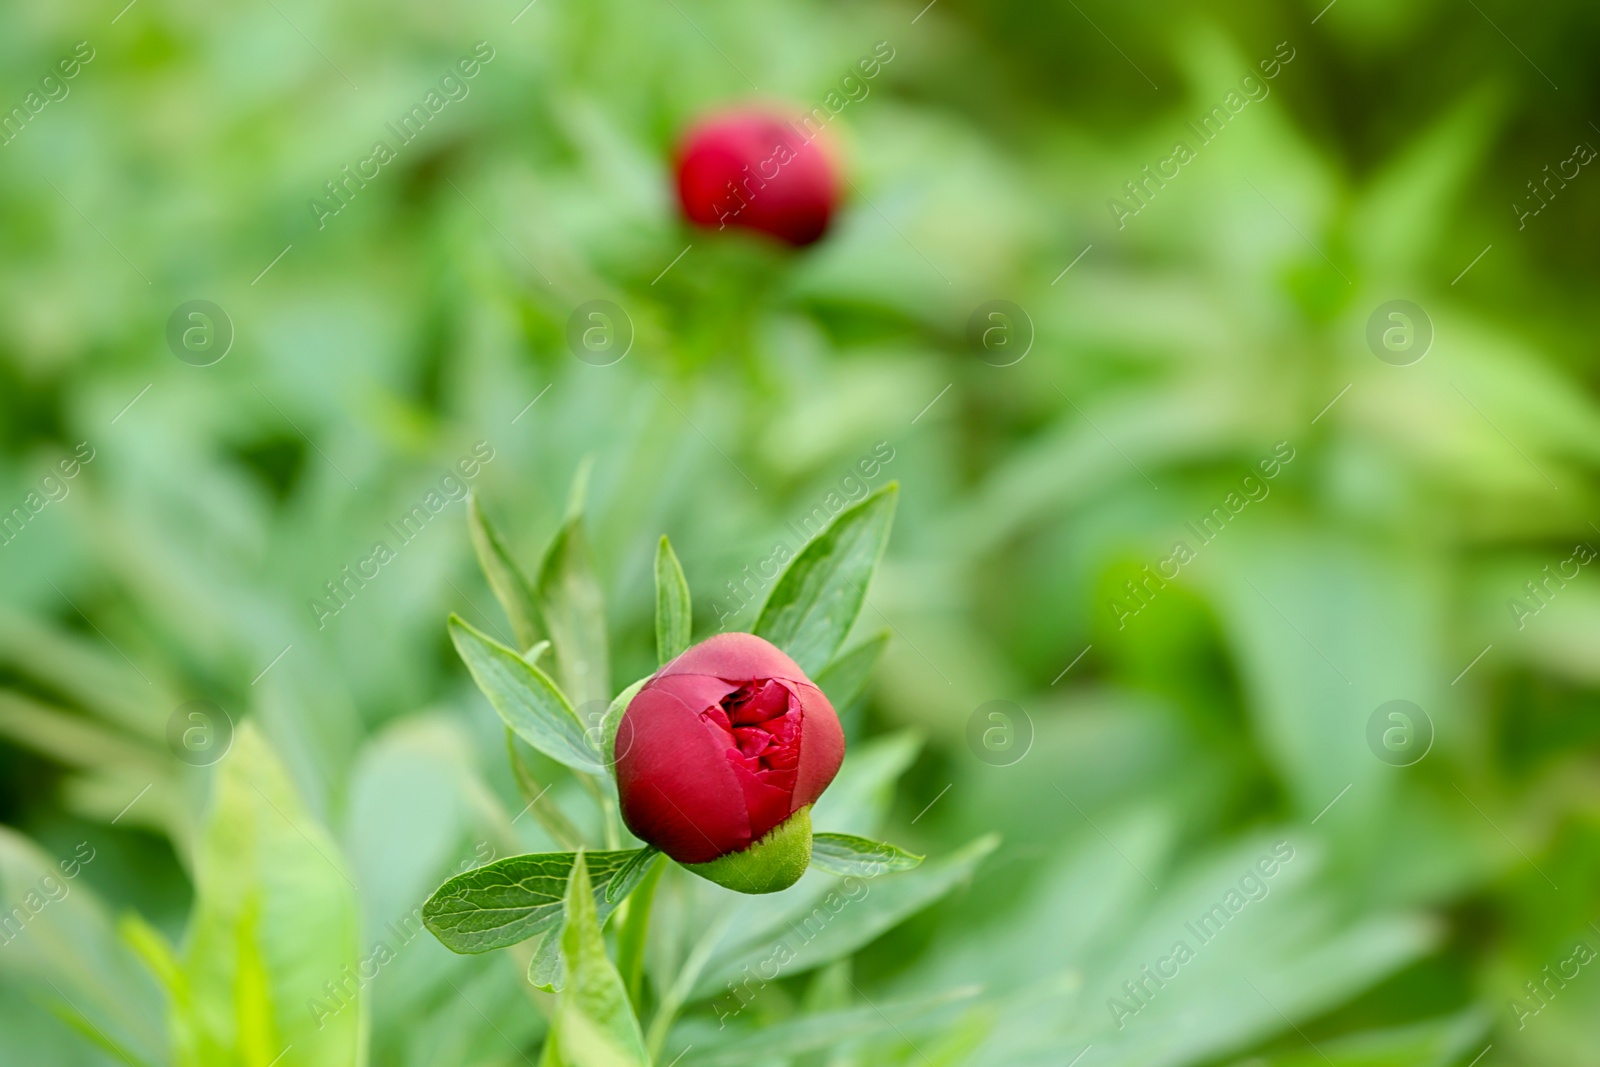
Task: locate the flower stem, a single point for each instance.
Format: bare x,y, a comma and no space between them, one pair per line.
604,799
549,816
683,985
635,928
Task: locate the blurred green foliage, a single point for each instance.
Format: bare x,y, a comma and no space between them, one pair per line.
373,352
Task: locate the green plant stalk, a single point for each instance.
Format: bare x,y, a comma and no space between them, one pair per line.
674,998
549,816
609,818
635,929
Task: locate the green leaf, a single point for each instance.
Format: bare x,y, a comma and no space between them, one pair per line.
510,900
812,1033
1361,622
846,918
613,720
635,928
845,677
574,614
814,603
848,854
595,1025
274,917
525,697
510,586
630,875
550,816
59,946
673,615
859,798
545,970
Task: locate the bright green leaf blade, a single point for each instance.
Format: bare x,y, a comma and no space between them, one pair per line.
510,900
810,610
848,854
847,918
627,879
630,875
505,578
845,677
574,614
274,917
595,1021
613,720
673,613
545,970
525,698
550,1056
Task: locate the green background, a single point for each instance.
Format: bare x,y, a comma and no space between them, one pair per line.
1390,160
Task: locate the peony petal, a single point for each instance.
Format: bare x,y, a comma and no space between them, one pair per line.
702,775
736,657
753,705
796,174
765,800
821,746
677,788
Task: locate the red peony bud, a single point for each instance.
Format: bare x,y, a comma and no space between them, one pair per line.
756,170
726,748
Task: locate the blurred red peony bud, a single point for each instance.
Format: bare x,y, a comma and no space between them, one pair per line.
719,757
757,170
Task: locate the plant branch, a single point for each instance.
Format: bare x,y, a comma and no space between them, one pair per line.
635,929
549,816
683,985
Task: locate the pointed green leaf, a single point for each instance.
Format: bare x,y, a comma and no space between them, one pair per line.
578,491
613,720
274,916
574,614
810,610
847,918
505,578
673,616
631,874
550,816
595,1024
845,678
849,854
859,798
545,970
525,697
512,899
